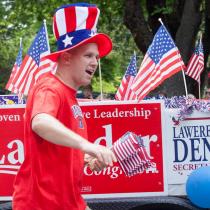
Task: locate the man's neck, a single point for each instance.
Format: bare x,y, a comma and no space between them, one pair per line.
65,80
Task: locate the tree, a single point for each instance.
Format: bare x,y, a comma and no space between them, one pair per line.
182,18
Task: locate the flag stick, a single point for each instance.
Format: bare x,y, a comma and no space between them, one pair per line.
185,84
45,25
199,84
20,95
100,78
21,41
199,88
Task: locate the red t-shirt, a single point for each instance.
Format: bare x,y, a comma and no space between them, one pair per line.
50,176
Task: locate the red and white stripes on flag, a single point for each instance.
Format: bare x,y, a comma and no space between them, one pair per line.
124,91
62,25
161,61
31,72
196,63
15,69
131,154
34,64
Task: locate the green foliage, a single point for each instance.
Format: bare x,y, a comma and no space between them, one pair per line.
23,18
167,10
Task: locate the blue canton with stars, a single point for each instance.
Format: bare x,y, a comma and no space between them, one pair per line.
131,70
72,38
199,49
161,44
39,45
19,56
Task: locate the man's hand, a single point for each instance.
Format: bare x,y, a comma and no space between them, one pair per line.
104,156
93,163
96,165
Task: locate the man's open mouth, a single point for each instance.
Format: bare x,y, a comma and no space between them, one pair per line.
89,72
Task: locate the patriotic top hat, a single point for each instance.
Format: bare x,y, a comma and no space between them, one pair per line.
75,25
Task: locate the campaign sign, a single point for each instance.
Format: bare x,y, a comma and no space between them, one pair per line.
106,124
11,147
188,144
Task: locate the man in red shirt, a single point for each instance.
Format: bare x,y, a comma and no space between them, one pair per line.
55,134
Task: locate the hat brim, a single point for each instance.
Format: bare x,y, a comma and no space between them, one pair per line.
103,42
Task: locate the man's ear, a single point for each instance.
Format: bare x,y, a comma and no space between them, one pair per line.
65,57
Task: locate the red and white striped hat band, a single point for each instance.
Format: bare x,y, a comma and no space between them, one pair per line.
75,24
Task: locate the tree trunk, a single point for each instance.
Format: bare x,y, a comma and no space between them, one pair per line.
185,41
136,23
206,44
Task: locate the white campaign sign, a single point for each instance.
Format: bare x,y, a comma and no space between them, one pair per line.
188,145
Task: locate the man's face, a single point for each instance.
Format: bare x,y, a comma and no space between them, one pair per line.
83,62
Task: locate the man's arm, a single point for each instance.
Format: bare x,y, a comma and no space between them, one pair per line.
49,128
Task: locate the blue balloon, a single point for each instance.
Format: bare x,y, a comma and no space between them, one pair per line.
198,187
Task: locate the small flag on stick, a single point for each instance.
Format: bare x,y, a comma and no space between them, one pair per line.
161,61
124,91
196,63
15,69
34,64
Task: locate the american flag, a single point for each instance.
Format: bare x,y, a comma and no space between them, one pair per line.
124,91
15,69
161,61
196,63
131,154
34,63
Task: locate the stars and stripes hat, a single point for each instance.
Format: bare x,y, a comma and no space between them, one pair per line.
75,25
